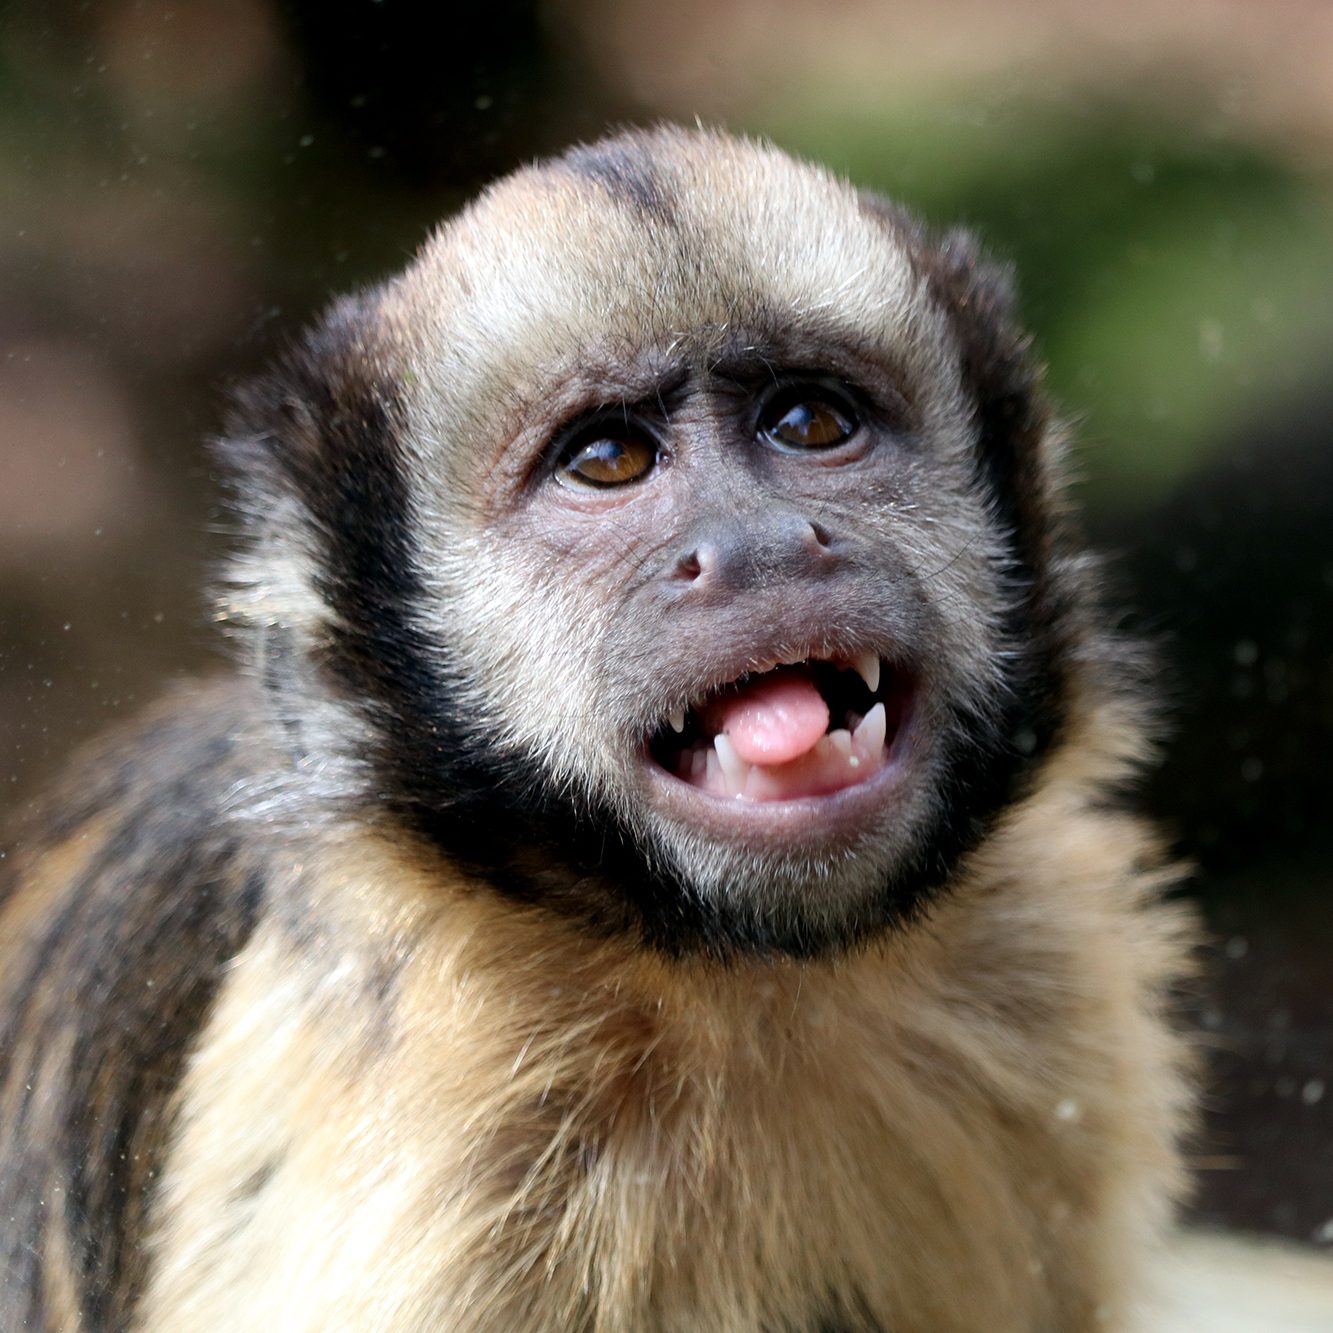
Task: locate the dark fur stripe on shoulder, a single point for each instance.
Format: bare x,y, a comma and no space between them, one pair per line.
101,1004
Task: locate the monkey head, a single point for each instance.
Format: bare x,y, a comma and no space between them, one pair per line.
678,541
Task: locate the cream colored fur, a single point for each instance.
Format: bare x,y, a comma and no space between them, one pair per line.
970,1123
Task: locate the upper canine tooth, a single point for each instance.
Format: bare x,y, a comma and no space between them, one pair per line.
866,665
677,720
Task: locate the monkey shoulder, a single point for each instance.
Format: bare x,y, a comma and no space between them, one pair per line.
122,897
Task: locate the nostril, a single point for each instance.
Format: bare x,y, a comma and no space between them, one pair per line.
822,535
689,567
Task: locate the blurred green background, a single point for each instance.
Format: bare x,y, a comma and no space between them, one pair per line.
183,184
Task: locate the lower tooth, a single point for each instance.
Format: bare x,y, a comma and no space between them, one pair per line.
868,738
734,768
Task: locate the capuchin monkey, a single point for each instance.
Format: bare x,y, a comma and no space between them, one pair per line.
661,862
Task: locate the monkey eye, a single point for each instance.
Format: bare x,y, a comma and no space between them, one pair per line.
606,454
807,416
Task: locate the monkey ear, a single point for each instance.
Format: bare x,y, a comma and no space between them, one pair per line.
321,423
266,427
975,280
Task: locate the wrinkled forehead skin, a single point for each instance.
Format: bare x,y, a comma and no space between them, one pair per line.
673,241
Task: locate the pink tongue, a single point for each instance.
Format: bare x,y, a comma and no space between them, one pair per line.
776,719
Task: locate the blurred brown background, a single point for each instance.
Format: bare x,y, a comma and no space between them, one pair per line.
184,183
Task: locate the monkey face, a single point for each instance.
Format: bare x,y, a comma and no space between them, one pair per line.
761,617
716,605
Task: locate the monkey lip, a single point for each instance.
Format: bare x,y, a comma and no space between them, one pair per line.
792,734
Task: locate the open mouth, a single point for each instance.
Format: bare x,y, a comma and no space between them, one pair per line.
799,730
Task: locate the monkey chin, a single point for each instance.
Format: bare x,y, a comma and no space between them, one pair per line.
803,901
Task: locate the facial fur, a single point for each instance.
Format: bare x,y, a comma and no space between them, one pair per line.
505,646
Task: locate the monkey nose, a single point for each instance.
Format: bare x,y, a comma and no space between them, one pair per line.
739,552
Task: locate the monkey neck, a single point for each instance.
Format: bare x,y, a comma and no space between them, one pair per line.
494,1083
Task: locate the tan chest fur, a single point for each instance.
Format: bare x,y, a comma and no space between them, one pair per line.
530,1130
